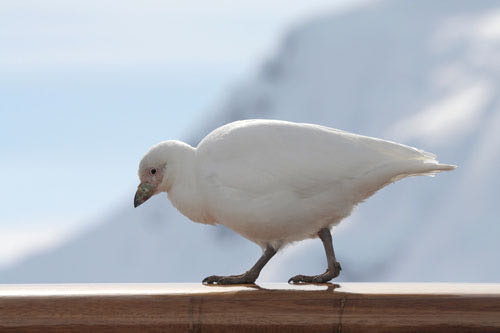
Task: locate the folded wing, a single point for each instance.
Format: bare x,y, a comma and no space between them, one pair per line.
259,157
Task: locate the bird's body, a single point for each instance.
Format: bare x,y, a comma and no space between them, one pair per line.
275,182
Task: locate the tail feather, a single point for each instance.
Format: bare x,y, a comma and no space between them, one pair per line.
425,168
444,167
391,172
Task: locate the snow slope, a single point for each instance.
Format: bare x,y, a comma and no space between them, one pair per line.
425,73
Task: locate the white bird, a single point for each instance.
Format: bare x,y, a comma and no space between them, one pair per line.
276,182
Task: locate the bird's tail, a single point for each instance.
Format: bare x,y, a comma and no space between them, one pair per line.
432,167
397,162
424,168
445,167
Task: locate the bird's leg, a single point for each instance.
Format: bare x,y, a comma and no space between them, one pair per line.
333,269
249,276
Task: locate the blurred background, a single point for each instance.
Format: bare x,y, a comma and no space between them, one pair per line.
86,87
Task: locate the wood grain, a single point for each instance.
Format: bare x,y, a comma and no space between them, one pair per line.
267,308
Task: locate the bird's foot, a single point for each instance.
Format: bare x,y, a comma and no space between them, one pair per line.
321,278
231,279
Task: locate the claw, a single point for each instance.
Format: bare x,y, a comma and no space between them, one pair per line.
211,279
297,279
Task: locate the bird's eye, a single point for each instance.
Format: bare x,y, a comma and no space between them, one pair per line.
153,171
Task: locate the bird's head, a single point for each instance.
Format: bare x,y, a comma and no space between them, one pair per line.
152,170
159,167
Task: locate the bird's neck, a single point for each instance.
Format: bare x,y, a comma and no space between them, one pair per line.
182,185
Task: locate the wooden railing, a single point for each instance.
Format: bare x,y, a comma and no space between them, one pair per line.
350,307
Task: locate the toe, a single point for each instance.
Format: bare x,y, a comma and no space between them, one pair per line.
238,279
322,278
224,280
297,279
211,279
231,279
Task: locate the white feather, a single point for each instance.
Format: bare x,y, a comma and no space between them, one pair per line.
275,182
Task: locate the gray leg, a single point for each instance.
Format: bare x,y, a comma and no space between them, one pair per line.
333,269
249,276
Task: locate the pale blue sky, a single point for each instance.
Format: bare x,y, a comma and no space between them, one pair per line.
88,86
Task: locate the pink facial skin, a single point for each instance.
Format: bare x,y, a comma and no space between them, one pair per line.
150,181
153,176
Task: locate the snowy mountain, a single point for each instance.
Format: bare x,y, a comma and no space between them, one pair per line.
423,73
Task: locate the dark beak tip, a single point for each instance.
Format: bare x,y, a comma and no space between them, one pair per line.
137,202
144,192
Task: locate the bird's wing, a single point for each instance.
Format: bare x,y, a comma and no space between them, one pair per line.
260,157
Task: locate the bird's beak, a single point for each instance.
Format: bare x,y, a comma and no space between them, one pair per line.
144,192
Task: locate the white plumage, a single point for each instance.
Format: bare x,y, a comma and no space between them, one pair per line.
275,182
